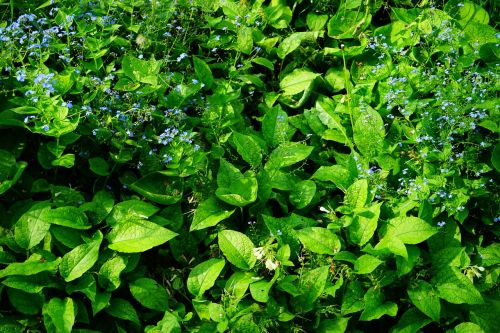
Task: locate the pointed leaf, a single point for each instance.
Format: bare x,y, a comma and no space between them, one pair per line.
138,235
204,275
80,259
208,214
237,248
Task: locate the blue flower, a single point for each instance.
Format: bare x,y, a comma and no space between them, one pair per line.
21,76
46,127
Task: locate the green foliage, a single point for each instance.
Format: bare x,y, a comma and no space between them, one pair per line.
249,166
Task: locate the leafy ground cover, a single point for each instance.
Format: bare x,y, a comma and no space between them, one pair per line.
249,166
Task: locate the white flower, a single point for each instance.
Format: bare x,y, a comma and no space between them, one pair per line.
270,265
258,252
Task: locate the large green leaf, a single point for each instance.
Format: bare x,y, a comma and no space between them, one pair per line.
69,216
123,309
203,276
31,228
319,240
312,284
424,297
455,287
137,235
59,314
357,194
410,230
292,42
209,213
287,154
244,41
235,188
33,284
159,188
347,24
275,128
375,307
203,72
80,259
336,174
237,248
369,133
248,148
303,193
109,273
297,81
35,264
149,293
366,264
364,224
145,71
168,324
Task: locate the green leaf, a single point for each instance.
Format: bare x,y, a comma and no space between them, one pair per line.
352,300
411,322
137,235
244,41
235,188
287,154
292,42
337,325
347,24
59,314
203,72
366,264
86,284
101,302
149,293
28,304
467,13
369,133
168,324
375,307
312,284
99,166
275,126
208,214
410,230
425,298
159,188
364,224
237,248
31,228
203,276
336,78
145,71
109,273
455,287
248,148
303,193
121,308
468,328
260,290
69,216
316,22
33,284
336,174
80,259
319,240
131,208
35,264
357,194
297,81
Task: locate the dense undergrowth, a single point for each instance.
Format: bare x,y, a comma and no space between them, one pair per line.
249,166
